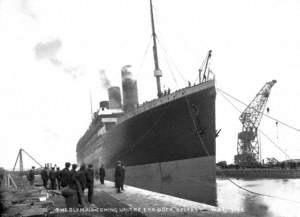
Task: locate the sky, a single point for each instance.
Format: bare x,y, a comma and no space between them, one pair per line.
52,53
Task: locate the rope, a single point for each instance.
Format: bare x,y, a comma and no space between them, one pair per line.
275,119
144,57
277,146
237,185
205,148
170,69
200,138
259,194
175,66
227,178
230,102
195,126
274,143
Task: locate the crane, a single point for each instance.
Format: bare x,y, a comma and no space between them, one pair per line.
248,145
204,70
20,157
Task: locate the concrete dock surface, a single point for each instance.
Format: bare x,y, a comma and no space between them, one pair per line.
132,202
154,204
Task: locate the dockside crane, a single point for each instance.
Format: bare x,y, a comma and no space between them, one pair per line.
248,145
20,158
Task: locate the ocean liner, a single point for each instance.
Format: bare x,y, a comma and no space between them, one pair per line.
167,144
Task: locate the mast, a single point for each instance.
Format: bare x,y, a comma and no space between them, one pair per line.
157,71
91,105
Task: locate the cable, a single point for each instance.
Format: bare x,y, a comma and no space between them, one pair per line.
260,194
200,138
230,102
170,69
165,51
277,146
144,57
195,126
205,148
275,119
274,143
237,185
31,157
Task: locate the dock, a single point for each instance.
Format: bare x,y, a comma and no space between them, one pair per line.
143,203
26,200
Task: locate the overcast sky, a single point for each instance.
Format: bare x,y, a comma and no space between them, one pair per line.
51,53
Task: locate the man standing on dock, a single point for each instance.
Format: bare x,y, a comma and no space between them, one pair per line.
81,177
102,174
118,176
90,182
44,176
31,176
72,193
58,177
123,177
75,185
65,175
52,178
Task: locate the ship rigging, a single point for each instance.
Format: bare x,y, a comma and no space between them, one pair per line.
161,140
157,71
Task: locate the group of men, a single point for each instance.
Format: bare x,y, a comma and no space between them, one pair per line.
73,182
78,180
53,175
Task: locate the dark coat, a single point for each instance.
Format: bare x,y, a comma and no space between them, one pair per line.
44,174
89,177
31,175
123,174
73,181
65,177
81,177
102,172
118,175
58,175
52,174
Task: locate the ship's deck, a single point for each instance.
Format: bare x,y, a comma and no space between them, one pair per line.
167,98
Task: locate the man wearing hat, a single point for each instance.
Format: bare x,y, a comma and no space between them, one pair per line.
65,175
90,182
118,176
31,176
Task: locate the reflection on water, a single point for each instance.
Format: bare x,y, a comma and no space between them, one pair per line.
233,198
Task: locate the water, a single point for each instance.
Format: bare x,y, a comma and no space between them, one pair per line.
233,198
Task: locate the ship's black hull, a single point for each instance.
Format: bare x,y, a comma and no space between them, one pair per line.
192,179
164,138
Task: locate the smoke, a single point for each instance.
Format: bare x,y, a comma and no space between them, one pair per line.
103,79
114,95
48,51
126,74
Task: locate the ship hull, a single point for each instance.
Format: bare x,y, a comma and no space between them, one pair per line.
192,179
174,143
